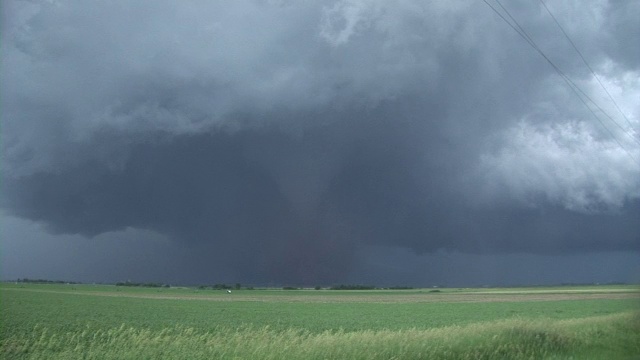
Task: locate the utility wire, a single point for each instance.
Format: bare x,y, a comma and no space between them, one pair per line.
576,87
587,64
626,131
517,28
520,30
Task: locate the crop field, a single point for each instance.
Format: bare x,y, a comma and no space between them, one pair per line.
47,321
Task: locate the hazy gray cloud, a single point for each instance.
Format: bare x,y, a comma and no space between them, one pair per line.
292,135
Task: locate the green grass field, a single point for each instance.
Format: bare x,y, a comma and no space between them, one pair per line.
97,322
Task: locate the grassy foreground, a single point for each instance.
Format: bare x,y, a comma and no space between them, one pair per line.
611,337
52,322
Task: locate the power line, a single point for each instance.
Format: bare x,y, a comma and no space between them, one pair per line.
575,88
606,114
587,64
520,30
635,139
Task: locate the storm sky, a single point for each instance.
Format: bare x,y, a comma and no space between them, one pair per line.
320,142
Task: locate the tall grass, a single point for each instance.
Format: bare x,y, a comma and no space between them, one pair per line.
611,337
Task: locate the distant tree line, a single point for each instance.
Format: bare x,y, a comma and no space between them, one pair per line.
44,281
592,283
147,284
400,288
352,287
237,286
366,287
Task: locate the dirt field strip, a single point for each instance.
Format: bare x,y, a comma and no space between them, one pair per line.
369,298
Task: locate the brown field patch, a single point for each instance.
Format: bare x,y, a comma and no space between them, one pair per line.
364,297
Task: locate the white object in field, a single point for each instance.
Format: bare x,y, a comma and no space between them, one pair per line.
228,291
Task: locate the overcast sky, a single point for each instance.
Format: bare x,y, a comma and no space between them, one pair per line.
320,142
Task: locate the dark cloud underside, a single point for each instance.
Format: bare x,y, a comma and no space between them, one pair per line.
290,137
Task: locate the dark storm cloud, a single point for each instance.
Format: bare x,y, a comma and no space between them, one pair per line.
621,19
290,135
